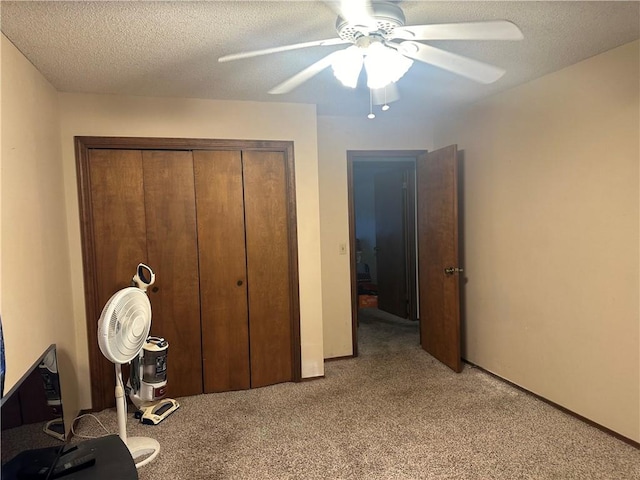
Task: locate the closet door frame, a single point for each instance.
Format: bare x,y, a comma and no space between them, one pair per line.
101,391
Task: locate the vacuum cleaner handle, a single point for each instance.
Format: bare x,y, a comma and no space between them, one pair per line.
144,277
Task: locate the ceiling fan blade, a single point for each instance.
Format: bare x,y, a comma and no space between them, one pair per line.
283,48
356,12
301,77
491,30
467,67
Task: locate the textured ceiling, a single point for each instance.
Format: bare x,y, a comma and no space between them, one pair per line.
171,48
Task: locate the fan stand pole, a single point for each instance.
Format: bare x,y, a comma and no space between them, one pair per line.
121,405
144,448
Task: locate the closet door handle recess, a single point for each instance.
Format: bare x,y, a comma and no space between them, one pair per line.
239,283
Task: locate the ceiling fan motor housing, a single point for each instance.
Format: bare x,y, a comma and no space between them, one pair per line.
388,16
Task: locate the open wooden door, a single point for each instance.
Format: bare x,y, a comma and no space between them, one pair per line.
438,255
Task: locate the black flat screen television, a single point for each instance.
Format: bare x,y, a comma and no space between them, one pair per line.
32,415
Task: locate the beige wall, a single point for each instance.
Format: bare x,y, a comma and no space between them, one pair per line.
96,115
37,306
336,135
551,236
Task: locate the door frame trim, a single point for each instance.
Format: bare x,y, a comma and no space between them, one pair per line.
353,156
99,367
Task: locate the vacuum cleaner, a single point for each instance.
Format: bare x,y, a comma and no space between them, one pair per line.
147,385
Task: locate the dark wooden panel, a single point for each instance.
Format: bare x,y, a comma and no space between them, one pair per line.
223,279
173,255
119,237
390,215
118,218
270,316
437,250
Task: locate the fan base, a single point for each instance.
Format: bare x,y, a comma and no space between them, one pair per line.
143,449
387,15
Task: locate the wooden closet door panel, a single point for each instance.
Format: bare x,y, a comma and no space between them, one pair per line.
117,202
173,255
119,238
223,279
270,322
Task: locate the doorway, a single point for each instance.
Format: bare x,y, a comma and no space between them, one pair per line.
426,215
382,200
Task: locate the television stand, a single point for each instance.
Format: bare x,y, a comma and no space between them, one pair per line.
104,458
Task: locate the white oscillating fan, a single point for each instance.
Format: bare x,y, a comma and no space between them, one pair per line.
123,329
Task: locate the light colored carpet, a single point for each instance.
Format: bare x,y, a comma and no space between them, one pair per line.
392,413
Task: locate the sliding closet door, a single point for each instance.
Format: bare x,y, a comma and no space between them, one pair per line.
267,240
173,255
223,278
120,240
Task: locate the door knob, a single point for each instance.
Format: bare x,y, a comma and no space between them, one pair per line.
239,283
452,270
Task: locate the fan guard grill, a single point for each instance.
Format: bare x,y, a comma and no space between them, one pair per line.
124,325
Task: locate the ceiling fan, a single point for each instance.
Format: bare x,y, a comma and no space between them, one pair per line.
387,47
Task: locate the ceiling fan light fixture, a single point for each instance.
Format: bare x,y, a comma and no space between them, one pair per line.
384,65
347,65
